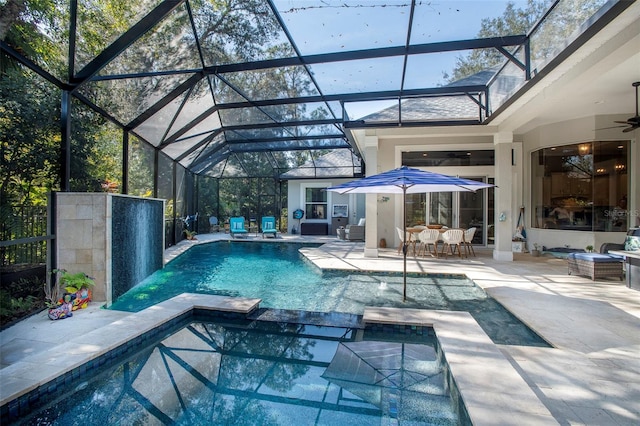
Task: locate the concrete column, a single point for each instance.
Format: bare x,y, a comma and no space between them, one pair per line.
633,199
371,213
504,220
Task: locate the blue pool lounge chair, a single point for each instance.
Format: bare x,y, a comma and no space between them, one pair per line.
236,226
269,226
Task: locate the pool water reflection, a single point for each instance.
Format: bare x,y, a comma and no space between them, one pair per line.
257,372
278,274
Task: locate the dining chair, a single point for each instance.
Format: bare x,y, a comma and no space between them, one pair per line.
452,239
468,238
429,237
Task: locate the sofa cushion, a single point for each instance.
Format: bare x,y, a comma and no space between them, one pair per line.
594,257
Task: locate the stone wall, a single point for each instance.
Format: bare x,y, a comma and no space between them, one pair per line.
84,238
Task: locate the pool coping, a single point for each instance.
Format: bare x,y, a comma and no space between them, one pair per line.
24,376
492,390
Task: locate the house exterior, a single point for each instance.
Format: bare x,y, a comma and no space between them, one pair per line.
328,210
556,143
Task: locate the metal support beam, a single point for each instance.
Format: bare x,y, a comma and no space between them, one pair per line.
385,52
73,26
512,58
174,139
125,162
174,198
360,124
156,167
65,141
357,97
187,85
343,145
12,53
127,39
286,138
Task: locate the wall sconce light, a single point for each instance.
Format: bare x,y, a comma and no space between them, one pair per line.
502,217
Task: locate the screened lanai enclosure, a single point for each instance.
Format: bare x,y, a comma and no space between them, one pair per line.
207,104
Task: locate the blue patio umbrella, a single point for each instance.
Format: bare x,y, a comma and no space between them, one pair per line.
406,180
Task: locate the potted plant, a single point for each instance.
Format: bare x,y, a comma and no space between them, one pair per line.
78,284
535,252
589,248
52,295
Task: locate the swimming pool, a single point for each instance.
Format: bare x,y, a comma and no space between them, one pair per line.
257,372
278,274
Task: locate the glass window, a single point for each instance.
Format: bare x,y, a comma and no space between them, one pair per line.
581,187
416,209
441,209
471,212
485,157
315,203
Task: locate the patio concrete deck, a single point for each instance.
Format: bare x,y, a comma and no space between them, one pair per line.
590,376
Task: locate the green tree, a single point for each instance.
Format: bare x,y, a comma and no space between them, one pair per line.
29,137
96,153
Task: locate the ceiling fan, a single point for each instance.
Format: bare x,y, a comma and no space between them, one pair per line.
633,122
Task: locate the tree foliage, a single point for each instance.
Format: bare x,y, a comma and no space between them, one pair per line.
224,31
29,137
513,21
556,29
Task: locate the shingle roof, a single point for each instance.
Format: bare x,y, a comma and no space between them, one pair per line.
459,107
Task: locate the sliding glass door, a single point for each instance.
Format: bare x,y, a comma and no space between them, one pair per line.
455,210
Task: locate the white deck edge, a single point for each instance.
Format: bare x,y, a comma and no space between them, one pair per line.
492,390
26,375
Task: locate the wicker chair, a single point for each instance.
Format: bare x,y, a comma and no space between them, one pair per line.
355,232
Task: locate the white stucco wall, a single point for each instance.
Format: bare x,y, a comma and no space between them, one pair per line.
391,145
296,196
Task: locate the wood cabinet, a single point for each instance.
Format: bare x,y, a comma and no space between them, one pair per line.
565,186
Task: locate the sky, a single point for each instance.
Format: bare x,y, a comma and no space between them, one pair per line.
325,26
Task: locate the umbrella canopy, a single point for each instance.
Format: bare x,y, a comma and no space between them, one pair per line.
406,180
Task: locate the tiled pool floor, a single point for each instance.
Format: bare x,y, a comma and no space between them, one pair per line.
590,376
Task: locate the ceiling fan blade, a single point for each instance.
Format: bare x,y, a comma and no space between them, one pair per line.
607,128
623,122
629,129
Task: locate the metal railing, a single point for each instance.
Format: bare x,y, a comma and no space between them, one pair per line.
23,235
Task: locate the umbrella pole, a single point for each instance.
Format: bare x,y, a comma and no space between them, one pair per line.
405,243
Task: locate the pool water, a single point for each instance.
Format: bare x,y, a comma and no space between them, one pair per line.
268,373
278,274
